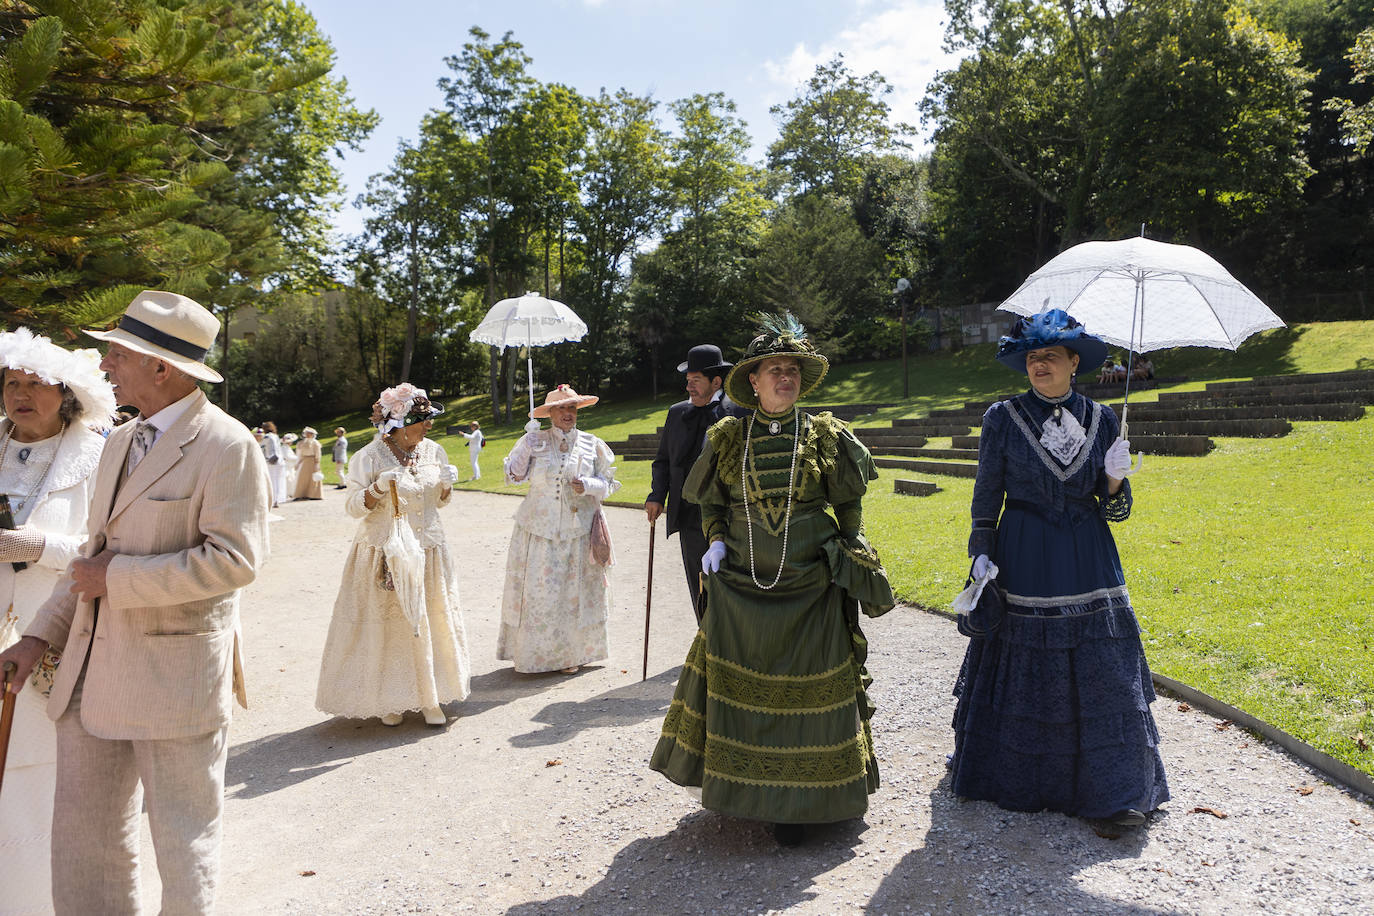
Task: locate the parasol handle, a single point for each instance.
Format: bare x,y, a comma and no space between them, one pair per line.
395,502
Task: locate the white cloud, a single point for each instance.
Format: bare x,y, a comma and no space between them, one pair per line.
901,40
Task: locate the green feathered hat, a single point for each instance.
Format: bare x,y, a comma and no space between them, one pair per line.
780,335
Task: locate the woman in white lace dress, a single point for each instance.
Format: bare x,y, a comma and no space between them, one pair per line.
555,606
376,661
48,455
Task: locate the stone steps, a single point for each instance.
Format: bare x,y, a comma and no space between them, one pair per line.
906,487
1356,376
1185,446
948,468
1272,411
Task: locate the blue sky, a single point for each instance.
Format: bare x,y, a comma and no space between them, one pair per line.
757,52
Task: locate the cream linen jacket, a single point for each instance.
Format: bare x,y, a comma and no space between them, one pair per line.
189,526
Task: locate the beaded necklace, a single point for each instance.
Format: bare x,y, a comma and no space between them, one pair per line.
42,478
791,485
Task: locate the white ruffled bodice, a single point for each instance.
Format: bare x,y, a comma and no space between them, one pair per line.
553,509
420,509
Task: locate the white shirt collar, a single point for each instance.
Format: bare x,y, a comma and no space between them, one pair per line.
164,418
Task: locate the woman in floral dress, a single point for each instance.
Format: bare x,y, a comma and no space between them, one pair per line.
556,605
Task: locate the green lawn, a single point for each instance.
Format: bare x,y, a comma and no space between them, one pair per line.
1250,568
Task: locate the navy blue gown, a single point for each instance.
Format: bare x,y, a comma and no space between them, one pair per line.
1054,704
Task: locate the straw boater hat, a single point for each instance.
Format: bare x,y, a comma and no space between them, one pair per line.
782,335
78,371
1050,328
562,396
168,326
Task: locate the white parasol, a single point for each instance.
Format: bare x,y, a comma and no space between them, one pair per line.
528,321
1145,295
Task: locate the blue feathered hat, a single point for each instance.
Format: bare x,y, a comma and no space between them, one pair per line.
1050,328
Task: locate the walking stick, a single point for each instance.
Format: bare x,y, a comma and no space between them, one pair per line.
648,599
6,716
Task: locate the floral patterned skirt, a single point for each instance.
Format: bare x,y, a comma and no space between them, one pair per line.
555,606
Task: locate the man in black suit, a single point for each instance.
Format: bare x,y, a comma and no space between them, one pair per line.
684,433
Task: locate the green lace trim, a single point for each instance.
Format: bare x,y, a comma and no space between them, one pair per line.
814,767
745,688
727,440
820,446
686,727
864,555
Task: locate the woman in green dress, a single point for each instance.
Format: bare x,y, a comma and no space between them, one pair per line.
770,716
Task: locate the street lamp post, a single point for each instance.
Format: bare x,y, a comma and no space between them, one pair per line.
903,285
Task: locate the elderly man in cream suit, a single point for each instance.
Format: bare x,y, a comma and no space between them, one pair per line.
147,620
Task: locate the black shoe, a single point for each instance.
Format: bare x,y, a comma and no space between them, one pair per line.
1129,817
789,834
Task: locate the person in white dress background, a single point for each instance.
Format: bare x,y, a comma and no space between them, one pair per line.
271,446
55,401
290,459
376,661
556,603
475,442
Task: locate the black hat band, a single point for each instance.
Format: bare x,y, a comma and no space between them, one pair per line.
162,339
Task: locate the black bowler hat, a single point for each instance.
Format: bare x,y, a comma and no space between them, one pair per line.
706,359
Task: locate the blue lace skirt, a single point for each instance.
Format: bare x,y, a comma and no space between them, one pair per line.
1054,706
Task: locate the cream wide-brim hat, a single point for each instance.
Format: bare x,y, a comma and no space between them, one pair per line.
562,396
168,326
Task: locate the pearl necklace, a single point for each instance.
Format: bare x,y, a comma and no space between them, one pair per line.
787,516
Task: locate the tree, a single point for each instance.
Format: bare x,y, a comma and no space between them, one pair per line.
1357,118
624,203
123,124
1074,119
484,96
815,261
826,134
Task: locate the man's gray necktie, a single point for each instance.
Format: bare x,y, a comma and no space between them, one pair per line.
142,441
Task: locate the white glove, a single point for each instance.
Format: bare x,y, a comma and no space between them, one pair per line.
594,487
449,474
713,557
532,426
1117,461
406,484
980,566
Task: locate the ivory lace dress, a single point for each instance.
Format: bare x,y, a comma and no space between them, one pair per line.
556,604
374,662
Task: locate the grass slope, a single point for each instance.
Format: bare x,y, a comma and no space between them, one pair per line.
1250,568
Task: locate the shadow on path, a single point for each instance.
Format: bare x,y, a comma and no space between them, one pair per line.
710,864
280,761
978,858
621,706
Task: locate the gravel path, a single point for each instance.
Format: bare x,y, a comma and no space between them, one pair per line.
537,799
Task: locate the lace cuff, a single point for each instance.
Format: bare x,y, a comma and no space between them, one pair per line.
1118,508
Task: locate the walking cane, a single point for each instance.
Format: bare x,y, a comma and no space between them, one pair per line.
648,599
6,716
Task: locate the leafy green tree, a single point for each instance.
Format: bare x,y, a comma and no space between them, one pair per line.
826,134
1357,118
123,126
693,286
815,261
484,97
624,203
1072,120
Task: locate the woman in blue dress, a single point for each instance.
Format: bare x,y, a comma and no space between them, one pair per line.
1054,698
